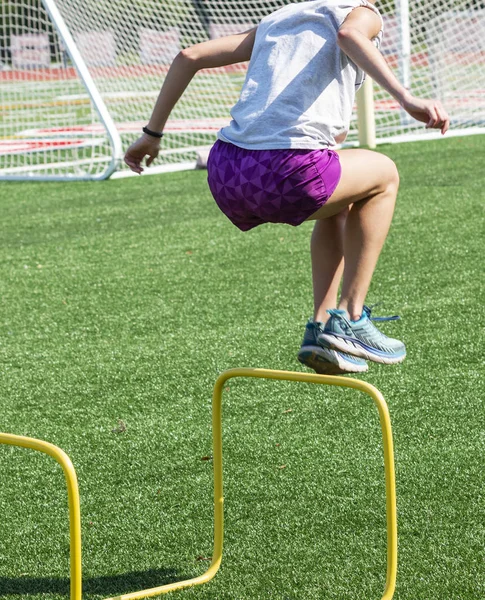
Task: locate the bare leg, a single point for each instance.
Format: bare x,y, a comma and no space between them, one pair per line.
369,183
327,249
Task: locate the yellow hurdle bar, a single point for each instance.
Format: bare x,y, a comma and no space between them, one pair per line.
390,477
73,493
218,485
72,497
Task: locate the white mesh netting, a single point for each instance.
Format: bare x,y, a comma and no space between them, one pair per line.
49,126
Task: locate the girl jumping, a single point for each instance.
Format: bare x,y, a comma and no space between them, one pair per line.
274,162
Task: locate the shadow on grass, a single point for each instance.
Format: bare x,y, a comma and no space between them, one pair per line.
110,585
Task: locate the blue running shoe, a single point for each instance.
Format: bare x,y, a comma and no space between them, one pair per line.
319,356
362,338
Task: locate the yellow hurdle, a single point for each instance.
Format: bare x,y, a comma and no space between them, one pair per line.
72,496
73,493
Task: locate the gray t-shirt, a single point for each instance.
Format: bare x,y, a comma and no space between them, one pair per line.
300,87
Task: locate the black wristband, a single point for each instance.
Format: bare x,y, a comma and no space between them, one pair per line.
154,134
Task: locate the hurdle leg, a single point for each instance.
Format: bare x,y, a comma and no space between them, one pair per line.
72,496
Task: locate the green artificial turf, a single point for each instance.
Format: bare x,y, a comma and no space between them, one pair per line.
122,301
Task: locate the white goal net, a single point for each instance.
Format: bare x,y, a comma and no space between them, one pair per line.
79,77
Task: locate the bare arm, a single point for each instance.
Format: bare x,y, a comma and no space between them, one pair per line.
214,53
354,38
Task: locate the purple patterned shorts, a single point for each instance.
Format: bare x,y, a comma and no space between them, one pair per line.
252,187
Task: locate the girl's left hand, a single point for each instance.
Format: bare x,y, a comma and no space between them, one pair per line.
146,145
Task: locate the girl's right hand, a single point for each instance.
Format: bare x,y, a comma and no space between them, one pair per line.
430,112
146,145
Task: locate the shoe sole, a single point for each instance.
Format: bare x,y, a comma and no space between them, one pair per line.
326,361
357,348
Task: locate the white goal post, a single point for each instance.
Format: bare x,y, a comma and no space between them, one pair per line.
79,78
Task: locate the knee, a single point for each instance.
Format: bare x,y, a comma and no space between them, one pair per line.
336,221
390,179
340,218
